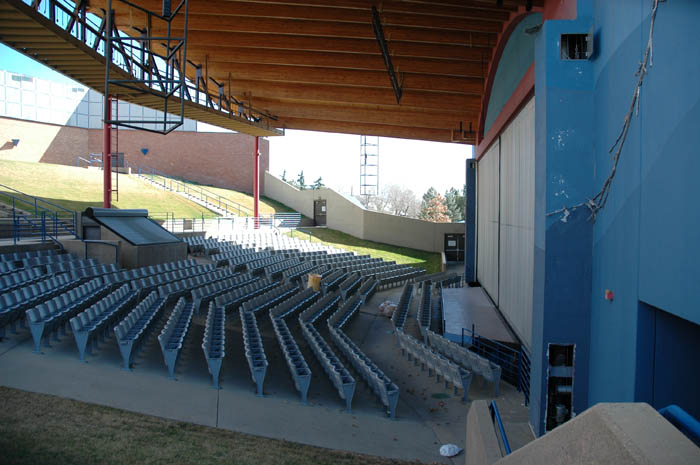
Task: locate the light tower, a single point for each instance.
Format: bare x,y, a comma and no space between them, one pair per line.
369,166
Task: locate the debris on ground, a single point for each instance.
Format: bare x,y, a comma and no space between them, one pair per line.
387,308
449,450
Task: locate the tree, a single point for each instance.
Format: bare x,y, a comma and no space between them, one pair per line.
318,184
400,201
284,175
434,208
300,181
455,204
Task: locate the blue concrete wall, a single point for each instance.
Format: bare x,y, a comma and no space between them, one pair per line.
564,116
470,223
646,244
518,55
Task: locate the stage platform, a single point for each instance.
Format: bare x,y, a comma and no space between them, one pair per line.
469,306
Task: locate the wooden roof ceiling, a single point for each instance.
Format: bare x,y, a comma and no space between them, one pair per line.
317,65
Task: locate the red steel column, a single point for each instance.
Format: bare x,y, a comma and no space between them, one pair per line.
256,180
107,153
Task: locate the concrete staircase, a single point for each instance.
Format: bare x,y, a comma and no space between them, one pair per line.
192,198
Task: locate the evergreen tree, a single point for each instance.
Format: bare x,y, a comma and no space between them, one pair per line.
318,184
284,175
300,181
455,204
435,209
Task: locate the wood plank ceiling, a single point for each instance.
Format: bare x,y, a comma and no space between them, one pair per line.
317,65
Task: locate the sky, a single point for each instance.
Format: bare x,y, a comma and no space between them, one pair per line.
416,165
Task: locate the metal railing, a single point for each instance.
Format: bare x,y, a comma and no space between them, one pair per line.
685,422
496,418
514,363
152,62
24,205
205,196
223,225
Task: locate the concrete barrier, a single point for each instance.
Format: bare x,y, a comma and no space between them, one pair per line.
620,434
482,446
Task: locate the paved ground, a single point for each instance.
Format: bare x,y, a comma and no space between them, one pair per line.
429,415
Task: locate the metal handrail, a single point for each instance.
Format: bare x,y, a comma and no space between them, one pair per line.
496,416
684,421
37,200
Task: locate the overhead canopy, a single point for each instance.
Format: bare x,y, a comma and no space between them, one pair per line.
133,225
318,64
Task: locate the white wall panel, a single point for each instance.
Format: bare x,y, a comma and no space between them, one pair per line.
487,221
517,222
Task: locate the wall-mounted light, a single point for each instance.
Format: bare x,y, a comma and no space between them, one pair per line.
144,151
15,142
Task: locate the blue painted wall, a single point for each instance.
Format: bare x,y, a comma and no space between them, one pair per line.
564,122
518,55
646,244
470,222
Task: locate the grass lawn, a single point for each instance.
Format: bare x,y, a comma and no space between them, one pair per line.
401,255
42,429
79,188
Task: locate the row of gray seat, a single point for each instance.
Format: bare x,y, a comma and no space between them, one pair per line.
52,315
276,270
174,332
214,341
368,288
69,265
258,266
297,272
340,377
398,318
424,314
12,281
10,266
17,256
233,299
149,283
104,271
442,366
331,282
479,365
136,326
398,277
381,385
270,298
350,285
184,287
203,294
94,324
235,258
327,303
13,304
123,276
254,349
343,314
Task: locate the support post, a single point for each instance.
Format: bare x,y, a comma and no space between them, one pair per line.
107,153
256,181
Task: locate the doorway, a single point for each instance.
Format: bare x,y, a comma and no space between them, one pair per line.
320,212
454,247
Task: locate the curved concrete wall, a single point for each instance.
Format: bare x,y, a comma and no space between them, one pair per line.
348,217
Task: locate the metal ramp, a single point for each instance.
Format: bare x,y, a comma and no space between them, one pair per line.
59,34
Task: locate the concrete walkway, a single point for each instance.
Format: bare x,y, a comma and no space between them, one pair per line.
429,415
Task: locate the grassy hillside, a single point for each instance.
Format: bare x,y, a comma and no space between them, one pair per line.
42,429
430,261
79,188
266,206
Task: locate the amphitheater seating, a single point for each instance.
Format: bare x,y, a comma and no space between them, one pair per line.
332,281
54,314
482,366
298,368
270,298
184,287
450,371
201,295
296,273
117,278
276,270
104,271
367,289
334,368
326,303
18,256
398,318
174,332
92,325
233,299
425,310
350,285
214,341
258,266
381,385
19,279
254,349
137,325
345,312
13,304
149,283
398,277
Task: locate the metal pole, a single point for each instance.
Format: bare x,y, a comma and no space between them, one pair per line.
256,180
107,153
